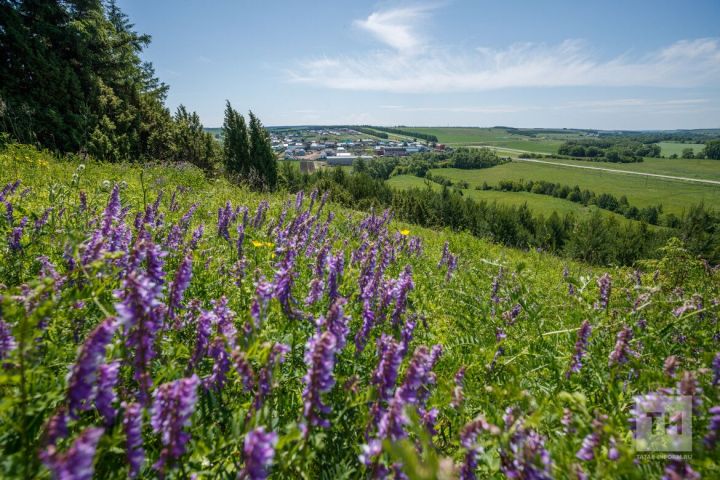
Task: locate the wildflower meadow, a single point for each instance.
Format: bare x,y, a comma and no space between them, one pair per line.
155,323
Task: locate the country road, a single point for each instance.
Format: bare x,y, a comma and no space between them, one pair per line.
629,172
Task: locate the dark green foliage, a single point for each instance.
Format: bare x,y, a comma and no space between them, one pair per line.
193,144
247,152
71,80
712,149
616,150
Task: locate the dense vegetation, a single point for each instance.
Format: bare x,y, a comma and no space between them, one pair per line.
606,150
420,163
371,131
212,332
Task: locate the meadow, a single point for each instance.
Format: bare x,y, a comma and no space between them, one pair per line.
675,196
541,204
493,137
678,167
160,323
670,148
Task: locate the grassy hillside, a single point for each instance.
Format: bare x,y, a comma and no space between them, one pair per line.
318,342
675,196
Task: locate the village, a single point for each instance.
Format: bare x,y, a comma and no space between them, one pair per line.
341,146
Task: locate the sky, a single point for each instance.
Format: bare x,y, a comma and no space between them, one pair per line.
629,64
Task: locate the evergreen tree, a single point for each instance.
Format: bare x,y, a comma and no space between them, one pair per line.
236,147
263,157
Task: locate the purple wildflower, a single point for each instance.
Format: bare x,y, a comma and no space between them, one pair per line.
173,405
221,365
245,371
106,396
15,239
716,370
526,456
320,358
670,366
337,323
622,350
368,320
713,435
511,315
418,377
42,221
468,440
592,441
179,285
385,375
7,341
204,325
259,450
613,453
83,376
580,349
132,426
139,312
335,271
77,462
277,355
677,469
605,285
404,285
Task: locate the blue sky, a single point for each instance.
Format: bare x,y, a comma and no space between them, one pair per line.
631,64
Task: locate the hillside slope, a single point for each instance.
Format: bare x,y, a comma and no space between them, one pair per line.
358,341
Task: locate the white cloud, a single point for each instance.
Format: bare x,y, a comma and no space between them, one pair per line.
405,68
396,27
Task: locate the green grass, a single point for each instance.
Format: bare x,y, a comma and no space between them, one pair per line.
675,196
679,167
540,204
668,148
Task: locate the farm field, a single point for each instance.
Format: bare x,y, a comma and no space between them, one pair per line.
540,204
504,345
494,137
679,167
675,196
668,148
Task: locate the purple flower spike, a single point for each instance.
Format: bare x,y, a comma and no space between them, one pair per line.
84,374
179,285
580,348
320,358
172,408
259,450
385,375
77,462
132,426
622,351
106,396
605,285
7,341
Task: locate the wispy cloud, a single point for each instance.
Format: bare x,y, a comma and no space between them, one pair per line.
397,27
409,64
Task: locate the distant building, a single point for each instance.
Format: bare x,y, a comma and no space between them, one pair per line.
393,151
346,159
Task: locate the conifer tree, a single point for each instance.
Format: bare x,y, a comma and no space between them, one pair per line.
263,156
236,148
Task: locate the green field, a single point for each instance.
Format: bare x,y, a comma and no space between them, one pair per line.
679,167
675,196
494,137
540,204
668,148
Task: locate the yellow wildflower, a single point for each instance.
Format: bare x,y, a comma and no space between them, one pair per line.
405,232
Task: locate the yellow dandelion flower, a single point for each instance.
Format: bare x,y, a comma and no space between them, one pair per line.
405,232
269,244
257,244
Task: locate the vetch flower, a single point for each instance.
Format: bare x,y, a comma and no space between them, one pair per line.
77,462
580,349
320,358
622,350
178,286
132,426
173,405
7,341
106,397
605,285
259,451
82,388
